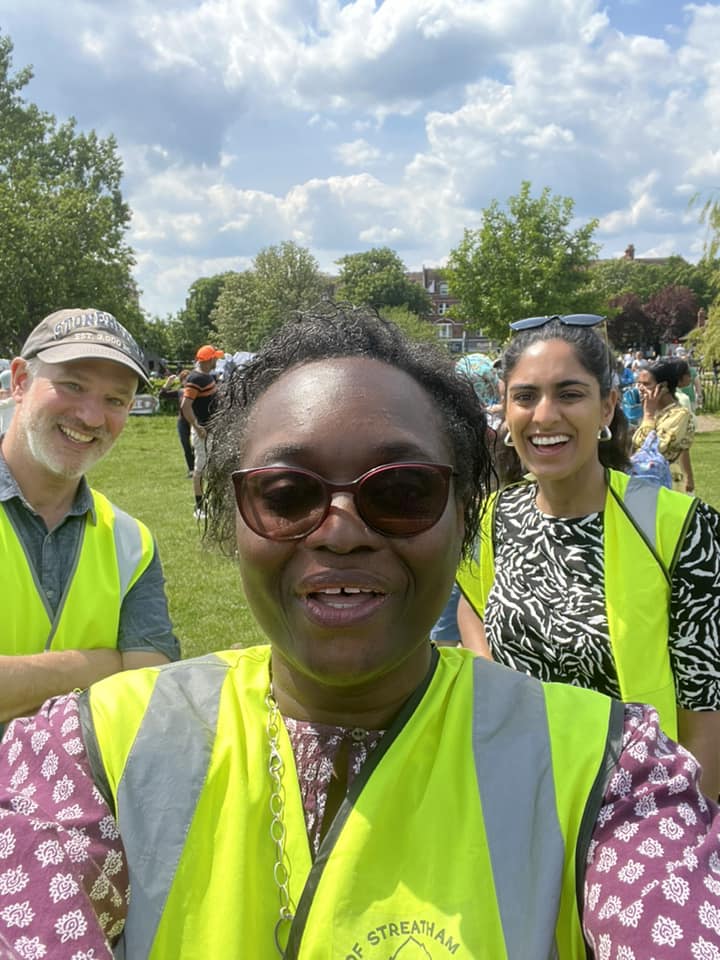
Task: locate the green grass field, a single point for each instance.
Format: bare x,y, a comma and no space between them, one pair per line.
145,475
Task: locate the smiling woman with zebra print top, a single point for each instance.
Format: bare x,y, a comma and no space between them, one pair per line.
583,577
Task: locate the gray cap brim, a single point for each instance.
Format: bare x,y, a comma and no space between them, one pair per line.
65,352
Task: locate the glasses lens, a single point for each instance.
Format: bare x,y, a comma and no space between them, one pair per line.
403,500
570,320
529,322
280,503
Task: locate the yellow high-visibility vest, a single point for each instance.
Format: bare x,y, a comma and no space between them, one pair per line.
111,555
459,838
643,530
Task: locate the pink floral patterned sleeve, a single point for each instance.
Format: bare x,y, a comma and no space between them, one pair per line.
63,878
652,885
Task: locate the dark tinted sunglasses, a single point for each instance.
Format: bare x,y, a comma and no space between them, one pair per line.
570,320
396,499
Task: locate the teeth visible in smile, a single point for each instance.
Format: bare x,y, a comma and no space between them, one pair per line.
550,440
334,591
77,437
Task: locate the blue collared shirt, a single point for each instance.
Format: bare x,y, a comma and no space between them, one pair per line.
144,619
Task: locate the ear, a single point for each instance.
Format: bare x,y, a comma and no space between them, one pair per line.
21,379
608,407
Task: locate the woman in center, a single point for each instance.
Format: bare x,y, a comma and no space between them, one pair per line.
347,791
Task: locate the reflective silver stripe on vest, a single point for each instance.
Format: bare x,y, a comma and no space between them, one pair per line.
128,547
511,744
180,718
640,500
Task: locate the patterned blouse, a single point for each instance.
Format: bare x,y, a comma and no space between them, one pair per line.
651,886
545,614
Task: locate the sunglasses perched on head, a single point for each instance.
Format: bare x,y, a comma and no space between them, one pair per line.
569,319
395,499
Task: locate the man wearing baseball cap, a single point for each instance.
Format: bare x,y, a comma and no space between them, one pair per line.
81,580
196,406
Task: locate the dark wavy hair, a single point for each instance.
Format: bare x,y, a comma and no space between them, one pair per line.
669,371
597,358
330,331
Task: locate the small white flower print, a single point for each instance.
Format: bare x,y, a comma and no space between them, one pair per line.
71,926
626,831
50,765
30,949
13,881
645,807
608,859
77,846
620,784
665,932
18,914
702,950
630,916
63,789
38,740
676,889
709,916
632,871
109,829
7,843
49,853
62,887
651,848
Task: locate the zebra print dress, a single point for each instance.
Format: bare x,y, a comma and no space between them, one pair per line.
545,614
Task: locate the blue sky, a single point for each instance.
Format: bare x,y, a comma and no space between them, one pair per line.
346,125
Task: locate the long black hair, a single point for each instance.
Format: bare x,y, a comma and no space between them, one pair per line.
596,357
329,331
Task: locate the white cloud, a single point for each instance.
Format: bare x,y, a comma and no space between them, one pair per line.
234,119
357,153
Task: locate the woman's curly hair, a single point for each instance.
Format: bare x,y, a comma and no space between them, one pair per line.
329,331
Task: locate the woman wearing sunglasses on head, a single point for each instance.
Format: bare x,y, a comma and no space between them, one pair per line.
348,791
587,576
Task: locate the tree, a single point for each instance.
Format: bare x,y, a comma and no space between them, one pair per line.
673,311
378,278
193,325
706,340
628,324
523,261
251,305
63,216
413,326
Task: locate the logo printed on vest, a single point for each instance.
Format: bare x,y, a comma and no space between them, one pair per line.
421,940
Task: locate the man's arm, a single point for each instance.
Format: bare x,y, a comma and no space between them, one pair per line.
186,409
699,732
145,633
28,681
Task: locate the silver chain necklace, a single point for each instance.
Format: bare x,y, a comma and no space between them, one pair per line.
278,834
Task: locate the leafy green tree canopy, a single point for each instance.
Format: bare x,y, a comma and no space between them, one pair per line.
378,278
63,216
525,260
193,326
253,304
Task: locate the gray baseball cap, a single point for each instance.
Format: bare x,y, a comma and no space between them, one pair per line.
84,334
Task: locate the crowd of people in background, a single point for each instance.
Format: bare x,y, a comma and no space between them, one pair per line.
539,780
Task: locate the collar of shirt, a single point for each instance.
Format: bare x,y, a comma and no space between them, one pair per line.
9,489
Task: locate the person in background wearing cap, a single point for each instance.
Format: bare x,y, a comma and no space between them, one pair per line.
196,406
81,581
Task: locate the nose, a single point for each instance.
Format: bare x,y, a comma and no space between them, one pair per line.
545,409
90,409
343,530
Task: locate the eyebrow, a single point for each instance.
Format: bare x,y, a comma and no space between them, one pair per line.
385,453
560,384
